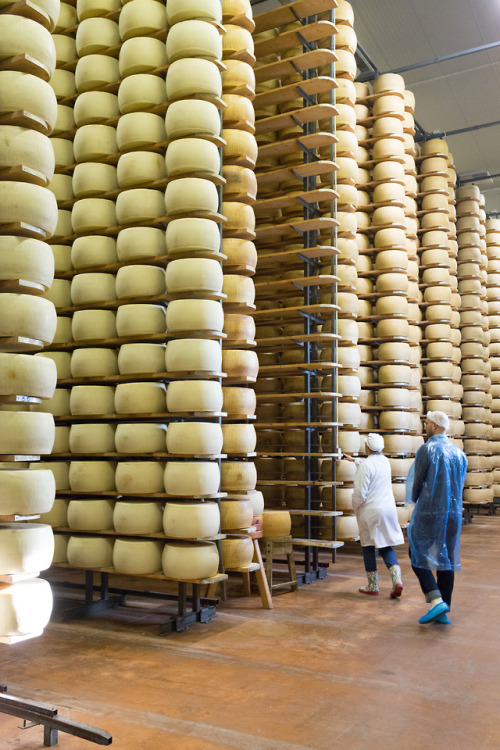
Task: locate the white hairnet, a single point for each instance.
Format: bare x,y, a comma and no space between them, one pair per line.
375,442
439,418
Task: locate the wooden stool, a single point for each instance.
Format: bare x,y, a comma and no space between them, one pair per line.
279,545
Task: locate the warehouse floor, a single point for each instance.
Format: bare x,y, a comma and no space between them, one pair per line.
327,668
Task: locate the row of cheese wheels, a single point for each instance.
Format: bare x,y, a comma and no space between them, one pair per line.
141,280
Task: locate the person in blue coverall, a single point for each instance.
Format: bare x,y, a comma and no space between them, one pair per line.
435,485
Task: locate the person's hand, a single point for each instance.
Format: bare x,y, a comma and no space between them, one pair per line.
348,457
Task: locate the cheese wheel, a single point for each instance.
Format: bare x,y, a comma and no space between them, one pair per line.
90,288
28,316
194,396
58,405
26,433
191,520
20,35
140,398
65,46
95,107
64,227
194,439
23,91
238,438
90,552
93,214
194,315
60,549
276,523
192,155
65,122
239,327
26,492
193,77
94,142
191,479
183,10
197,355
141,55
236,514
192,117
63,83
189,194
61,440
139,281
137,556
186,561
238,476
238,109
87,363
140,242
140,92
94,250
138,129
91,476
141,358
28,148
62,187
137,518
239,217
29,204
91,438
88,325
140,319
139,478
93,71
141,17
140,438
237,552
238,400
25,607
140,168
394,374
192,234
96,35
187,275
57,516
92,399
59,293
194,38
63,151
240,363
21,375
139,205
94,8
27,259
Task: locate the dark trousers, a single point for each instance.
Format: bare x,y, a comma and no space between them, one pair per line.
444,585
369,556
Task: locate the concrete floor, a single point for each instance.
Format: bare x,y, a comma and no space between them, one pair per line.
327,668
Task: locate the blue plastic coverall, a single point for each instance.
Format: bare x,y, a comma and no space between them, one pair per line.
435,484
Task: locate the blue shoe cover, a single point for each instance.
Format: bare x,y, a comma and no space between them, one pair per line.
443,620
433,613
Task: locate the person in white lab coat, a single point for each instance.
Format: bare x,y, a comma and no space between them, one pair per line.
373,503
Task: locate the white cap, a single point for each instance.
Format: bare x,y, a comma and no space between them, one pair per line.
375,442
439,418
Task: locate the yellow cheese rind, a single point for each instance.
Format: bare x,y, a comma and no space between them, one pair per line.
25,607
27,315
26,491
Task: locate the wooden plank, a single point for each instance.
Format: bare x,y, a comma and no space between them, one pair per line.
321,543
289,13
308,169
310,87
300,116
314,513
299,226
280,258
293,145
283,371
288,66
321,310
318,195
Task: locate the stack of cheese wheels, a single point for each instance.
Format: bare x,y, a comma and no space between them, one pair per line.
239,196
387,269
476,288
282,426
493,303
350,177
29,220
437,283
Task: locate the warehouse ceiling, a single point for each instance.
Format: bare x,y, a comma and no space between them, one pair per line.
460,93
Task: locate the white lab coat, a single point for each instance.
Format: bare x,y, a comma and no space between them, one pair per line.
373,503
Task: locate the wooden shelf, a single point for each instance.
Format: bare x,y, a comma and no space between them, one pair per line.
321,543
277,149
320,311
149,338
140,377
285,200
158,576
289,13
288,40
289,66
148,417
68,494
294,227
